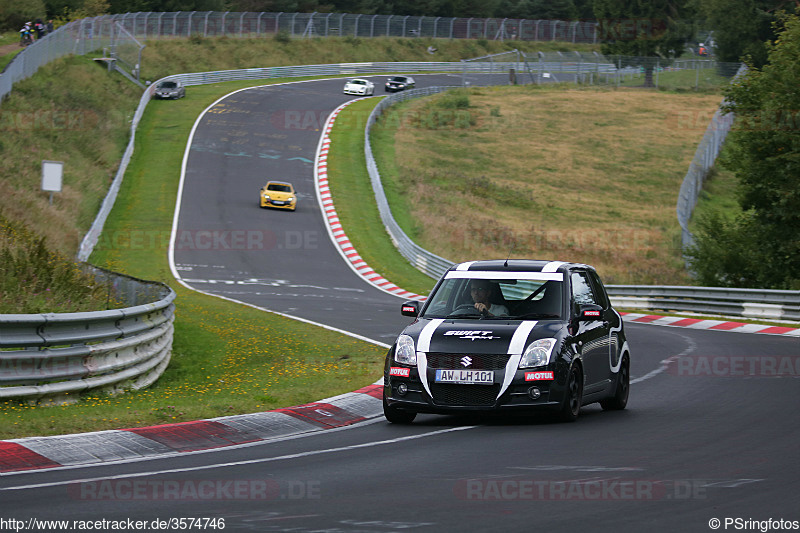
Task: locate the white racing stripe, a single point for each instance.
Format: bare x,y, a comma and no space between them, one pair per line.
515,349
520,337
552,266
423,347
424,342
489,274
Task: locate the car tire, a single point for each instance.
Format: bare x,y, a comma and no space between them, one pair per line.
619,401
397,416
571,407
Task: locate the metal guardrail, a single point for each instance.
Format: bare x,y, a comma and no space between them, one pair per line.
425,261
52,357
747,303
702,162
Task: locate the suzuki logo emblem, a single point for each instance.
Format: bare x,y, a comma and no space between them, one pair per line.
466,360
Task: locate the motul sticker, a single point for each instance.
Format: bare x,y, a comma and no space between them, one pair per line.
591,313
397,371
539,376
409,309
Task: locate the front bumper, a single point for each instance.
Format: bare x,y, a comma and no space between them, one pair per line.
278,204
456,398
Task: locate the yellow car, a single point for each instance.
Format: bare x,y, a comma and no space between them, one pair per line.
278,194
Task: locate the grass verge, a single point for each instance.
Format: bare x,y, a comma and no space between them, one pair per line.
354,199
588,175
719,194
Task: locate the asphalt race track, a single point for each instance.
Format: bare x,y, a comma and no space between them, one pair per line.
711,431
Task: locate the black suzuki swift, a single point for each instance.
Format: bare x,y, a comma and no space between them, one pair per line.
515,335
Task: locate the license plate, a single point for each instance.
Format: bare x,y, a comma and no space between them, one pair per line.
278,202
465,377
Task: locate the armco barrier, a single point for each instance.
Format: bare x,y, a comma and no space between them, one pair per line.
747,303
703,161
49,357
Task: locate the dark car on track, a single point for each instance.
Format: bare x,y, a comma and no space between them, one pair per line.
169,89
399,83
514,335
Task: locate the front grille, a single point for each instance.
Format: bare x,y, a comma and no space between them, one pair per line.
466,395
479,361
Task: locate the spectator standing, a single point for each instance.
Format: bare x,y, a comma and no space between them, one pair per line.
26,35
38,26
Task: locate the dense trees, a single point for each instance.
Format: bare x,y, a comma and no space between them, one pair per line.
741,27
653,29
760,247
14,11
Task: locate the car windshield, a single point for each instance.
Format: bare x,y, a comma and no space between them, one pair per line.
358,82
169,85
278,187
398,79
530,296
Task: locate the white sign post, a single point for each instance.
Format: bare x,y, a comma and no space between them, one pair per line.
52,172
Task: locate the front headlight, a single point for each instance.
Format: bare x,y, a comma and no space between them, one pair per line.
291,199
405,352
537,353
266,197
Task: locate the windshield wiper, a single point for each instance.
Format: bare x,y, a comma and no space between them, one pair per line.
538,315
465,315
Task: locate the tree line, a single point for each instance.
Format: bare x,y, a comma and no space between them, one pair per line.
737,28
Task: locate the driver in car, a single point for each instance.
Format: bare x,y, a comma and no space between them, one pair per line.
481,292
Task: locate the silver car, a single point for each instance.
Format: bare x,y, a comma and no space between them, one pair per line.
171,89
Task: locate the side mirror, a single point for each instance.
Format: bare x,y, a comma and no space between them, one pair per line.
588,312
410,309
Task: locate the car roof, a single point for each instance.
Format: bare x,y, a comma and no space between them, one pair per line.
518,265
